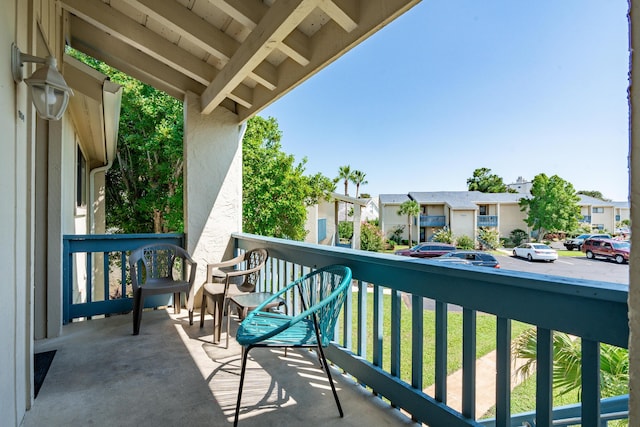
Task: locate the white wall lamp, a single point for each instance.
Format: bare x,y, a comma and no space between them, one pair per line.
49,91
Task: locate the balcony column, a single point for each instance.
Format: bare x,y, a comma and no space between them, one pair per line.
634,265
212,183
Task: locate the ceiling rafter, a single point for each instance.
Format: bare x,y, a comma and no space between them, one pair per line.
250,12
344,14
199,32
130,32
281,19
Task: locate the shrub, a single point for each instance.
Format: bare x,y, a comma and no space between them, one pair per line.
489,237
443,236
345,230
465,242
517,236
397,234
371,238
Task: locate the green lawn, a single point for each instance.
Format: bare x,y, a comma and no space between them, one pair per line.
486,338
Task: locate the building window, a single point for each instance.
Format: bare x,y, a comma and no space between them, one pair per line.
598,210
484,210
81,181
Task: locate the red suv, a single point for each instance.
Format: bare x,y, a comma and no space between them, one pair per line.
607,248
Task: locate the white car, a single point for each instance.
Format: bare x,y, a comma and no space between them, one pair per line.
535,251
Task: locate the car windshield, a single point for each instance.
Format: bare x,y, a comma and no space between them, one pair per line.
621,245
540,246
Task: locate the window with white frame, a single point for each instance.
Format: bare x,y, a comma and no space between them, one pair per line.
598,210
81,179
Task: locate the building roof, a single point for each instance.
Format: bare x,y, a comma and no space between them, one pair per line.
463,199
393,199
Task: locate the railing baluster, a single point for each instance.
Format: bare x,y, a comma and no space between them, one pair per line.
347,327
417,340
469,363
378,331
105,276
89,274
503,372
441,352
544,377
362,319
590,383
395,332
123,274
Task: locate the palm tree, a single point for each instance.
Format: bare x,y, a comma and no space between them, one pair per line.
345,174
411,208
357,177
567,367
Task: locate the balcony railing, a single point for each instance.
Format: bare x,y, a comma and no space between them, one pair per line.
487,220
585,219
370,350
594,311
95,273
432,221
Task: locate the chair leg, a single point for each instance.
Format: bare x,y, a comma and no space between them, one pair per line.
176,303
203,308
333,387
245,353
228,306
190,317
138,304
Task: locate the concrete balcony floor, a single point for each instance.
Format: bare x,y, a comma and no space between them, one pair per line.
172,375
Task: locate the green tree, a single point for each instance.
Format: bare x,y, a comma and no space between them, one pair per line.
144,185
357,177
594,194
275,191
553,205
411,208
486,182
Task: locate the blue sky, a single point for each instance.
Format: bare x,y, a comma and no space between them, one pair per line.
520,87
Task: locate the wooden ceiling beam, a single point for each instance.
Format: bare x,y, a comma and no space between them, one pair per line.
281,19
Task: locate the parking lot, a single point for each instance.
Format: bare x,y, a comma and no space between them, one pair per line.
574,266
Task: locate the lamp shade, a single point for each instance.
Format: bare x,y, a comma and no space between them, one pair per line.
49,91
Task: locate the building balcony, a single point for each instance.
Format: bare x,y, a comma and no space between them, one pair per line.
585,219
171,374
487,220
432,221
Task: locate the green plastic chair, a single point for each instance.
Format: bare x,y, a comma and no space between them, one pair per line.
322,293
157,269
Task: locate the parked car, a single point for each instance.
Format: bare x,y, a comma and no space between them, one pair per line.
617,250
576,242
427,250
479,258
535,252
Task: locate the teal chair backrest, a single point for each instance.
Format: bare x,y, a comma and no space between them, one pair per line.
324,292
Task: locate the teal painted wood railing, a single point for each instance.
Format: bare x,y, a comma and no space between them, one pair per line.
487,220
80,253
594,311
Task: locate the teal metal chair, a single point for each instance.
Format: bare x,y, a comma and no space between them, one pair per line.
322,293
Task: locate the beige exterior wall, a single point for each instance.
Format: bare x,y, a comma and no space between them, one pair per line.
510,218
606,218
389,220
463,223
213,183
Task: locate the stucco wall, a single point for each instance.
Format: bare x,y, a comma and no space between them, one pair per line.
213,182
510,218
463,223
391,220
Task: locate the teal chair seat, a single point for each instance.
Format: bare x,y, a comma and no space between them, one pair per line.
322,294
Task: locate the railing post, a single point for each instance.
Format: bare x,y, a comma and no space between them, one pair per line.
590,383
469,363
503,372
544,378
